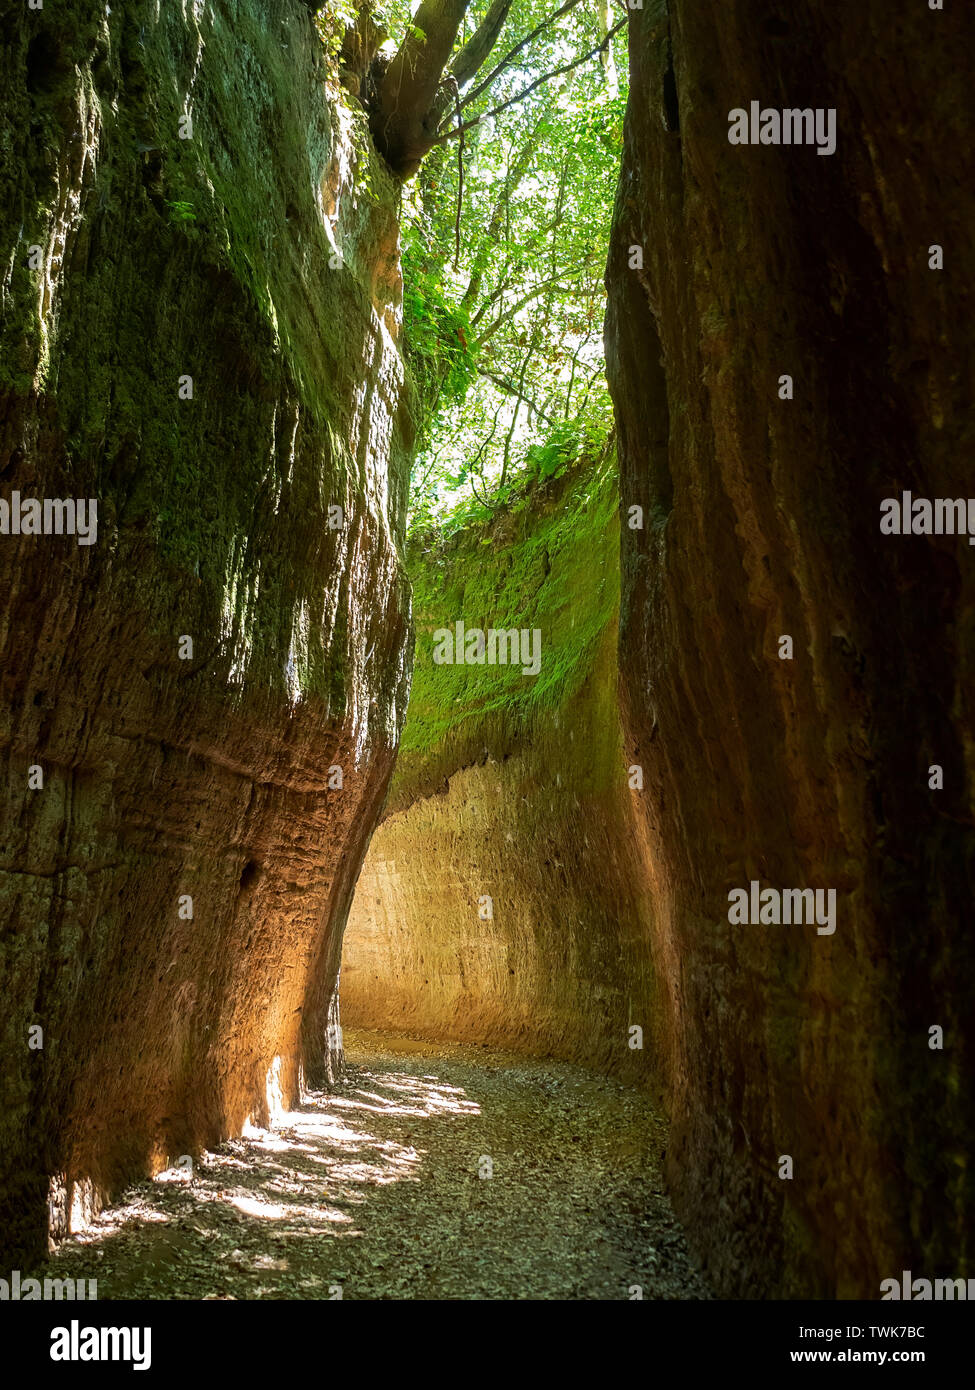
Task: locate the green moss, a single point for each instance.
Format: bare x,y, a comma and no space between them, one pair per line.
222,257
550,565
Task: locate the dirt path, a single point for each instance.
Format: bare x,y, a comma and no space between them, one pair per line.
376,1189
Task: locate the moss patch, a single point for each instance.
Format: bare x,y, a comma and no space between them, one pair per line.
552,565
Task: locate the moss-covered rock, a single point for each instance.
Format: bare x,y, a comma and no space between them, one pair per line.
186,193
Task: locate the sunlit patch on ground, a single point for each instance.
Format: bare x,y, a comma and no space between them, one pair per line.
308,1173
377,1191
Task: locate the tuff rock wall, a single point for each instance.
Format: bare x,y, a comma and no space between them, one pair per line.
512,788
762,520
253,249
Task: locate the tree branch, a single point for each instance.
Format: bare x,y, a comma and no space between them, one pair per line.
511,390
491,300
406,91
520,96
483,500
478,47
526,299
512,54
492,237
506,463
460,174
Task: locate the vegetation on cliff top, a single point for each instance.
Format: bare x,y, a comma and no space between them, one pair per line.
549,561
504,298
511,114
513,517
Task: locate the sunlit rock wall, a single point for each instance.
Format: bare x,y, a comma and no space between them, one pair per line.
254,249
500,900
762,520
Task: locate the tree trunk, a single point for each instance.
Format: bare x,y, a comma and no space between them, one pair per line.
405,115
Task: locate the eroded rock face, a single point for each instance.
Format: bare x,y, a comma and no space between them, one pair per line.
762,520
502,897
139,250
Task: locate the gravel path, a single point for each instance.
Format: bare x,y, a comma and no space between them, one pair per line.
375,1191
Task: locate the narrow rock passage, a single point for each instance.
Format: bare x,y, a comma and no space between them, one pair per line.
376,1188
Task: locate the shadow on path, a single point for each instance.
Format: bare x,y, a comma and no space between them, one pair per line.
434,1171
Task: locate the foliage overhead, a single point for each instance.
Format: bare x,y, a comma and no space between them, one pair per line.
520,109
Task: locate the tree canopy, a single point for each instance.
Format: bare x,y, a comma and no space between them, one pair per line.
504,120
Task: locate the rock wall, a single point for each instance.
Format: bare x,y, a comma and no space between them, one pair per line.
512,788
185,195
762,519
